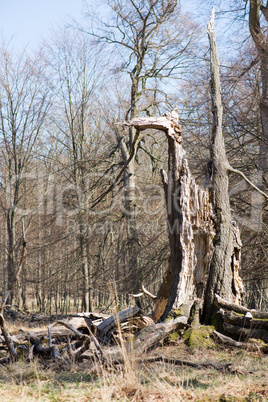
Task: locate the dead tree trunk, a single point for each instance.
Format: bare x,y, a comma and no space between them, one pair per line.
226,254
205,245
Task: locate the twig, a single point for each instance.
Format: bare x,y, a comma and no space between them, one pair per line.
132,154
241,174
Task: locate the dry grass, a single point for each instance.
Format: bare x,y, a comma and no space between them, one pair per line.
247,380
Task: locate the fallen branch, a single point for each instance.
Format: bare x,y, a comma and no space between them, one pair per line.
116,319
8,339
221,303
245,333
38,349
178,362
250,346
146,339
245,322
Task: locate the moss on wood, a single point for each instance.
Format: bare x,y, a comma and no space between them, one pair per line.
199,338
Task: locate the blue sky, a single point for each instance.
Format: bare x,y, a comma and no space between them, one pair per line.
28,21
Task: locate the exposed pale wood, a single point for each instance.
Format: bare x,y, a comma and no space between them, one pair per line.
144,292
116,319
153,334
8,339
222,303
146,339
168,124
147,293
91,315
141,321
77,333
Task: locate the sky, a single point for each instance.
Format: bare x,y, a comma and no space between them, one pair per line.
27,22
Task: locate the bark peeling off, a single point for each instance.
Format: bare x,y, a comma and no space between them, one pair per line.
196,238
238,286
204,241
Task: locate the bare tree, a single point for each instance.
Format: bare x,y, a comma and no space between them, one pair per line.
76,76
154,41
24,103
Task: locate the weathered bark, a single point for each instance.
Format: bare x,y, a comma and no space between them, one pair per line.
245,333
226,340
190,227
221,303
259,37
205,244
145,339
116,319
247,322
8,339
226,254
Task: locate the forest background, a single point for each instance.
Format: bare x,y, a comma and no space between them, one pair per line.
60,148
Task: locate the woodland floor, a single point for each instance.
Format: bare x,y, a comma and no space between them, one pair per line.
245,380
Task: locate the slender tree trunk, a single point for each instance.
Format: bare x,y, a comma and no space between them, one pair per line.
130,210
221,279
259,37
86,302
11,251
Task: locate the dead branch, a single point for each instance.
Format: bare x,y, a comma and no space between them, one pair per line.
226,340
167,123
247,322
112,186
8,339
241,174
144,292
245,333
222,303
146,339
116,319
186,363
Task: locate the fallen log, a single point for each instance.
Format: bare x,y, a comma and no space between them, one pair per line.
250,346
146,339
221,303
245,322
40,350
79,322
8,339
186,363
116,319
245,333
153,334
